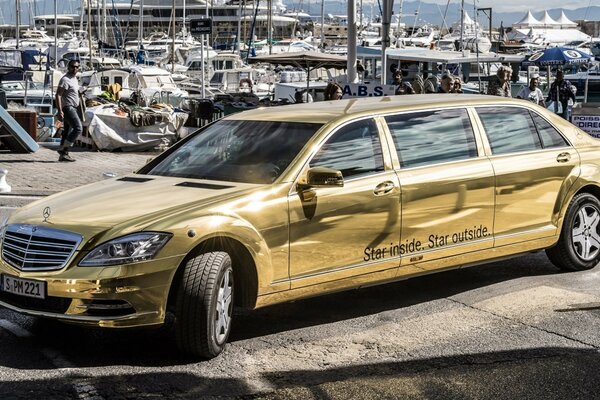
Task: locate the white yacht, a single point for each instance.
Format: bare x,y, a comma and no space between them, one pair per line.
474,38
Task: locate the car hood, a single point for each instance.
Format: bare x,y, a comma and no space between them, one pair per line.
97,207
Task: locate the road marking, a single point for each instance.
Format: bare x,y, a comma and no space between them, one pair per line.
15,329
83,386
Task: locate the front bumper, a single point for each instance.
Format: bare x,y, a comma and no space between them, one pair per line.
131,295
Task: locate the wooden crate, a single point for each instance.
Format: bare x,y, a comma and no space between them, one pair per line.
27,119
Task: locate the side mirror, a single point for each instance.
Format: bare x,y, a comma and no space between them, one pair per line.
322,176
319,177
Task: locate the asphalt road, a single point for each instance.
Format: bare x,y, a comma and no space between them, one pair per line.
516,329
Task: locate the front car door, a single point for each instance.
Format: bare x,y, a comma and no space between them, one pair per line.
447,186
531,161
349,231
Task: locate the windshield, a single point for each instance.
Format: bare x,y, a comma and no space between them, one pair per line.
238,151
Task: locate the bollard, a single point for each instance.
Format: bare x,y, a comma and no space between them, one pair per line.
4,186
108,175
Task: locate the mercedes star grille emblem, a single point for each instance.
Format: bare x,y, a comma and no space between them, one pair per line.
46,213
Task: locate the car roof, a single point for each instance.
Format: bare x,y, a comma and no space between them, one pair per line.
326,111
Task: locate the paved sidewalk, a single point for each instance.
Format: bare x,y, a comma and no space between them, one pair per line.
40,173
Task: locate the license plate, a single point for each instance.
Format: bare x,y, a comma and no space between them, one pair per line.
23,287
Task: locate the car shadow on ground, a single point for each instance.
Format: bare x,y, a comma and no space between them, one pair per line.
538,373
87,347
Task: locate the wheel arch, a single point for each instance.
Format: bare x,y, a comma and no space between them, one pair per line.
242,261
581,186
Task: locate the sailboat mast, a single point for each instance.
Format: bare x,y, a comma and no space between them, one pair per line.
140,24
55,35
322,25
18,21
461,46
352,33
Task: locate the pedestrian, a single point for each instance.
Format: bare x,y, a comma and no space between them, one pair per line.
431,84
457,88
418,84
532,92
333,91
560,92
499,85
67,104
446,83
402,87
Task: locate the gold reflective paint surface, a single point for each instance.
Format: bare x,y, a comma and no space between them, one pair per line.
303,242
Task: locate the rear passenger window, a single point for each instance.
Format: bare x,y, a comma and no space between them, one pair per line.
549,136
354,150
432,137
509,129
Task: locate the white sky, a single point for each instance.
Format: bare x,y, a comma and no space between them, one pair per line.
536,6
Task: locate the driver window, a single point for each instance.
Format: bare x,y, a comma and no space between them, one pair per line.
354,149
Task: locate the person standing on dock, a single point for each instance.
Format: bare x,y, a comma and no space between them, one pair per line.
402,87
560,92
499,84
446,83
532,92
67,103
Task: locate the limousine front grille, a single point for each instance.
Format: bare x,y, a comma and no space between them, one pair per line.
37,248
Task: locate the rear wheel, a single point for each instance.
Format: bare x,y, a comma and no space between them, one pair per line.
204,305
578,247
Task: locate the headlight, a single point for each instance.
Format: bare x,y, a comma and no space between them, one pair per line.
127,249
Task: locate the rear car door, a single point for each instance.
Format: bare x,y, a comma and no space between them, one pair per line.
447,185
531,162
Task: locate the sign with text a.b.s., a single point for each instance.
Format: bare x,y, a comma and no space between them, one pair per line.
201,26
367,90
587,123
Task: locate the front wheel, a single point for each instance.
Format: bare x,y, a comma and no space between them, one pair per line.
204,305
578,247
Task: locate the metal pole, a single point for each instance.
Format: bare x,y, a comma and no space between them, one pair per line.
55,33
322,24
18,22
385,36
89,26
239,29
461,46
140,24
352,32
173,38
202,64
270,26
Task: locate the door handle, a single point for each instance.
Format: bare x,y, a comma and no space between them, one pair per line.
563,157
384,188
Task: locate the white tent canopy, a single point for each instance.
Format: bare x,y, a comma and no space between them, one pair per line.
527,21
548,37
548,21
564,21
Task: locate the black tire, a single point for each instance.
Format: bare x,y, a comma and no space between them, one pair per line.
204,305
578,247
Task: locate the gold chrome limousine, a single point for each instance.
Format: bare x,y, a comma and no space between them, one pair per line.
276,204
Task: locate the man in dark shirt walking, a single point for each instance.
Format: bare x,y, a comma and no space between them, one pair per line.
560,92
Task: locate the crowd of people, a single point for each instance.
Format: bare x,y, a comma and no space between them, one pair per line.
560,94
